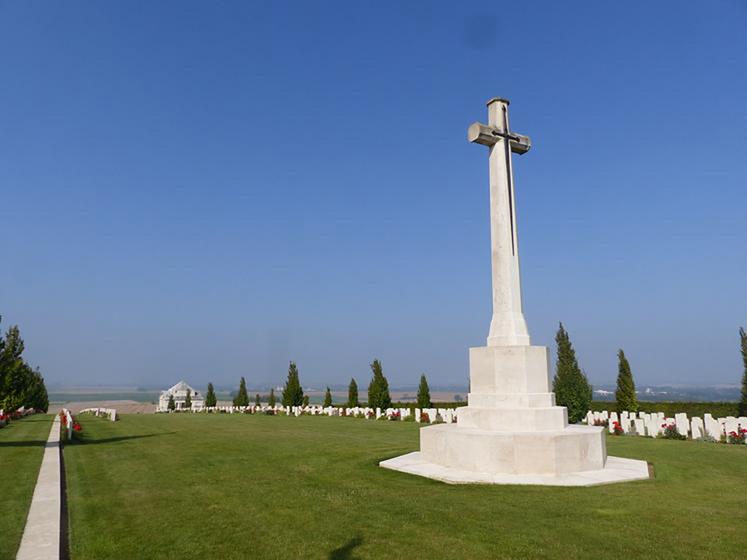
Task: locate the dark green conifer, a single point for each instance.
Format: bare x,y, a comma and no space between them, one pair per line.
378,388
271,399
242,398
743,346
210,398
327,398
292,393
172,404
353,393
424,393
625,396
571,387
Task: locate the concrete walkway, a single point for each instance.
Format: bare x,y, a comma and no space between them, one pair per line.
41,537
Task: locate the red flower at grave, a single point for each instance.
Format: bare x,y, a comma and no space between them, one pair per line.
77,427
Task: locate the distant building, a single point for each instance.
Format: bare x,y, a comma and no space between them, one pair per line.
180,395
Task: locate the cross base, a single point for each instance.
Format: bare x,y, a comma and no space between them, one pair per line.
616,469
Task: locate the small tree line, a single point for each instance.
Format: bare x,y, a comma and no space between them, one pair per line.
20,384
573,390
570,383
293,394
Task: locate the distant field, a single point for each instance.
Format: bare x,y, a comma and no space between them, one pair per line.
241,486
138,396
315,397
21,449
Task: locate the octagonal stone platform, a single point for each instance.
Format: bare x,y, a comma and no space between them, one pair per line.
616,469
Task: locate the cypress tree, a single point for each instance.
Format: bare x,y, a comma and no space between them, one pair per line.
36,395
2,365
327,398
625,392
188,400
257,400
14,374
242,398
378,388
20,385
172,404
271,399
306,400
292,393
571,387
210,398
424,393
353,393
743,345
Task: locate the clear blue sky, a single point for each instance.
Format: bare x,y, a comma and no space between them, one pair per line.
208,190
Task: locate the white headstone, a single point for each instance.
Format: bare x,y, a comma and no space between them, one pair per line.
696,426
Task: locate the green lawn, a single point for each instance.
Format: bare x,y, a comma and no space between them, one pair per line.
231,486
21,449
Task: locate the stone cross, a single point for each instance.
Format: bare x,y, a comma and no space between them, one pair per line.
507,326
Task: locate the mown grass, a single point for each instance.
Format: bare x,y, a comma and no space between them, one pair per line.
21,450
232,486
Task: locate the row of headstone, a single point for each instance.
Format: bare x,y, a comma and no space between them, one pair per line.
428,415
448,415
101,412
654,424
68,423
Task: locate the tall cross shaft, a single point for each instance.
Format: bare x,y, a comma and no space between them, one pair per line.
507,326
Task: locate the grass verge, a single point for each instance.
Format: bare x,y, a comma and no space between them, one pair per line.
240,486
21,449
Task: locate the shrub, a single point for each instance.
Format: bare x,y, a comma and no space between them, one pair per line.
737,437
671,432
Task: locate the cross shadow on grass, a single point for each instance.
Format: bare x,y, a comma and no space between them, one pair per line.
345,552
91,441
27,443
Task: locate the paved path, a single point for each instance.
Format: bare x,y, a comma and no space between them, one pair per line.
41,537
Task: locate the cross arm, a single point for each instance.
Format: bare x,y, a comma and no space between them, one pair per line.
479,133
